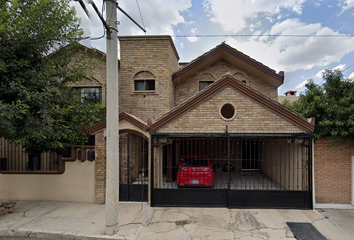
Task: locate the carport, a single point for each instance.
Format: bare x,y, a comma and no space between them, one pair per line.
266,170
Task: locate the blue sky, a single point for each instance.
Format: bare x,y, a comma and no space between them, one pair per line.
197,26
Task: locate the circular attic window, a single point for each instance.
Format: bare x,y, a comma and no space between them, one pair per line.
227,111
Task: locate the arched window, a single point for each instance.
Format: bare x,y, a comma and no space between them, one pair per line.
205,80
241,77
144,81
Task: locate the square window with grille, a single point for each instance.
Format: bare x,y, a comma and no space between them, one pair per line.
89,94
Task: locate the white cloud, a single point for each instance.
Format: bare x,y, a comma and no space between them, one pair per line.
193,39
340,67
288,53
320,74
232,15
346,5
318,3
193,31
302,84
296,53
351,75
159,16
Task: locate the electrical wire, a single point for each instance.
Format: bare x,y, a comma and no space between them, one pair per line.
104,30
351,65
141,16
268,35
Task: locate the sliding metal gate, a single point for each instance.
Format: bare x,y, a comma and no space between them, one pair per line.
133,167
250,171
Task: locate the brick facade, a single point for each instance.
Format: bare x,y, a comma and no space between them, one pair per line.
100,167
251,117
333,172
189,87
156,55
96,74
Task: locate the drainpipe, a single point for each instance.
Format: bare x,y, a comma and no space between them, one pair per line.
353,180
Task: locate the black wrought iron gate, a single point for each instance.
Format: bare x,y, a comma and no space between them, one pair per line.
249,170
133,167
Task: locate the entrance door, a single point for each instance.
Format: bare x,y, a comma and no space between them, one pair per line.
133,165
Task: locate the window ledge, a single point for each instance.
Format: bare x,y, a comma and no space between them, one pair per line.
145,93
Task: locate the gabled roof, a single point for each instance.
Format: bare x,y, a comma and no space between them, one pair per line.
78,47
224,51
122,116
277,108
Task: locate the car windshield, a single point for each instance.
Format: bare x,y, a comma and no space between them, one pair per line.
195,162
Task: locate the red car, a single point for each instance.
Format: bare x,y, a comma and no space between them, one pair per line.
195,170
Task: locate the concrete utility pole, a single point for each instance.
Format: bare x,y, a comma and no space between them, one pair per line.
112,121
112,115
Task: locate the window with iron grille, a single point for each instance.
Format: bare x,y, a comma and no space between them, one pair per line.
89,94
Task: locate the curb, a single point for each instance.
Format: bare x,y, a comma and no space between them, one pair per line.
55,235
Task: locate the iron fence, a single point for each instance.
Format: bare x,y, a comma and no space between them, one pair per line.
14,159
236,162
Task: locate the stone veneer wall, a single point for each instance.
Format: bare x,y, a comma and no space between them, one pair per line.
333,172
189,87
157,55
100,168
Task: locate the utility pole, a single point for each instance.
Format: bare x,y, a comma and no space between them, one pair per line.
112,115
112,121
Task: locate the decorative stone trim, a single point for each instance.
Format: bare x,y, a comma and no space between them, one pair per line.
225,112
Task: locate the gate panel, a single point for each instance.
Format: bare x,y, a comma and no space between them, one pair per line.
258,171
133,182
190,197
269,199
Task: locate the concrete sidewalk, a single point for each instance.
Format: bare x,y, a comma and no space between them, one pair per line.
58,220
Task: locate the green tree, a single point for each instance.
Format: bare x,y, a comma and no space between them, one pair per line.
332,104
37,109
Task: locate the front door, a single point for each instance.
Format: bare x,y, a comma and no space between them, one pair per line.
133,165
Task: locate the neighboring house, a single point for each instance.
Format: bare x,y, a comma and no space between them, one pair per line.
289,95
223,104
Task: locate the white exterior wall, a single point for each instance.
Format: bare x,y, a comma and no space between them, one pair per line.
76,184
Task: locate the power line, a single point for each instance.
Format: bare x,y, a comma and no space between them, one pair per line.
141,16
267,35
348,67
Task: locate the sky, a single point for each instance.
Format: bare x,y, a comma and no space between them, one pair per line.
300,37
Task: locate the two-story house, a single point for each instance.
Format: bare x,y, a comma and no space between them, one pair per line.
222,106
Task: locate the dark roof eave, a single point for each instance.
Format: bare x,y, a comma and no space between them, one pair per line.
122,116
233,52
